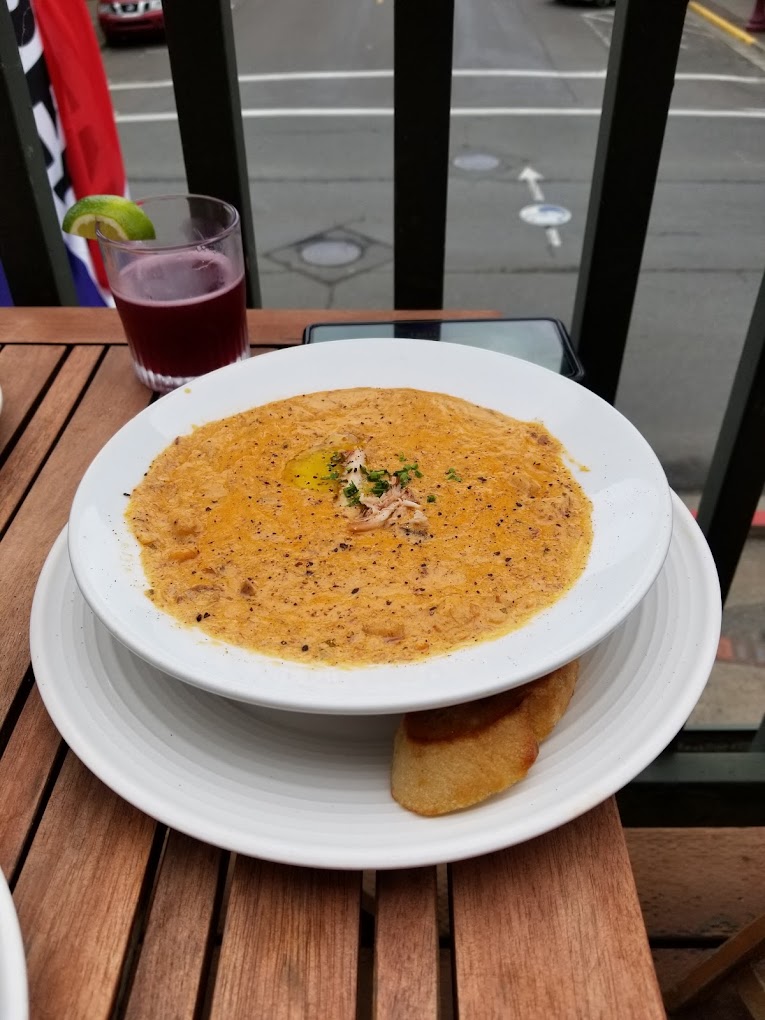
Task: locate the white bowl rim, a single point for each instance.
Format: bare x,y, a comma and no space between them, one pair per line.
439,680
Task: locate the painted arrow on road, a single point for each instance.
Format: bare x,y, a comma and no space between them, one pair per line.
532,177
538,213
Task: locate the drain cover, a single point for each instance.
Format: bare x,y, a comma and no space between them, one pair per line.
333,255
476,162
330,253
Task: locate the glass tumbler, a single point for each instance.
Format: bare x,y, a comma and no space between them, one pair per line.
181,297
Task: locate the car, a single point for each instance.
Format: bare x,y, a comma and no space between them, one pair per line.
121,21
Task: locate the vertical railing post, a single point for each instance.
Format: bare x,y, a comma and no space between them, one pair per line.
422,85
200,42
32,249
641,70
737,471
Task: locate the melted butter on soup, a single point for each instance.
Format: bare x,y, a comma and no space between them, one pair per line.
264,529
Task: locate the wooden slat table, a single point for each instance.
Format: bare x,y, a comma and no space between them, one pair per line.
123,918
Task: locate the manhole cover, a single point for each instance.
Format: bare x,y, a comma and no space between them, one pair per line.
330,253
476,162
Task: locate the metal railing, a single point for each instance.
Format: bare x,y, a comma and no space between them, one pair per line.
720,775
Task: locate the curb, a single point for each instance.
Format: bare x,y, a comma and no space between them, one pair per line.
727,21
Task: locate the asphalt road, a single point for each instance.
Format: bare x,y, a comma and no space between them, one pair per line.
312,172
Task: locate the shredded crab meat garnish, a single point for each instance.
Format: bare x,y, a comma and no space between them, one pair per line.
395,506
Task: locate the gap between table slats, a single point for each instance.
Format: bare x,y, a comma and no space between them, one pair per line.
27,767
33,445
114,396
171,971
23,374
77,896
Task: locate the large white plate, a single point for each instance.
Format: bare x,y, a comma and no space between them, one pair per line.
632,527
314,790
14,1002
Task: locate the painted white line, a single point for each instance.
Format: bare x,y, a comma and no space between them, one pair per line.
553,237
263,113
734,79
478,72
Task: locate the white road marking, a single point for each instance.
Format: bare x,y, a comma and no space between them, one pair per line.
480,72
553,237
264,113
532,177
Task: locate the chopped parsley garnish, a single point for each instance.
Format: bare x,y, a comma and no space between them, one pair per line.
431,498
379,487
452,475
376,476
405,473
352,493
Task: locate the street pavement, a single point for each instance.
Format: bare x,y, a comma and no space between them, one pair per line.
313,173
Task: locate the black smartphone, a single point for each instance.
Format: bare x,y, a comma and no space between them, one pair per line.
542,341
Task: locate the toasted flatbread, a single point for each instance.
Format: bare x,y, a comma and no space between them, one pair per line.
445,759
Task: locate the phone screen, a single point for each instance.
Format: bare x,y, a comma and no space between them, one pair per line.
544,342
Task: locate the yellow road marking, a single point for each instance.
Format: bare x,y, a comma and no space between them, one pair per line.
722,23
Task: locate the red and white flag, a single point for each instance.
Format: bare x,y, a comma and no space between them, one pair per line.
75,121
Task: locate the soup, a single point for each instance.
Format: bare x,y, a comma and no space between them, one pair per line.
361,526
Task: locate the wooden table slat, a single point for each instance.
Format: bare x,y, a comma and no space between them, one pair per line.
30,450
23,374
25,769
77,896
170,972
290,945
114,396
280,326
575,885
406,945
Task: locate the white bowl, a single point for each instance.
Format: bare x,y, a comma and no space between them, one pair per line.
632,525
14,995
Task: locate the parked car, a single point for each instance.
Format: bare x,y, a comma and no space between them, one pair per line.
120,21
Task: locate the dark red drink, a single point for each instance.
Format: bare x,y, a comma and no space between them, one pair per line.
183,313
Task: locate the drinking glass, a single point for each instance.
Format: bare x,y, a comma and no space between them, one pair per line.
181,297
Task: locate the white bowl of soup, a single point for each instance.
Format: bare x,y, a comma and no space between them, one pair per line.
369,526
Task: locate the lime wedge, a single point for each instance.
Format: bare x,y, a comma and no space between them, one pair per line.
116,217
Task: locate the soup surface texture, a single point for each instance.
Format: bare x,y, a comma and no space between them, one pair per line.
361,526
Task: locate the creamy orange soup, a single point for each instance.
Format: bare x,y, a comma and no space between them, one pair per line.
361,526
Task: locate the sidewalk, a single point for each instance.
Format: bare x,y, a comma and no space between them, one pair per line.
735,694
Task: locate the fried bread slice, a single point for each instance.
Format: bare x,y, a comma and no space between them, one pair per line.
445,759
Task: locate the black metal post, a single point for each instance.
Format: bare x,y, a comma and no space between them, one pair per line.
422,85
32,249
641,70
737,472
200,41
